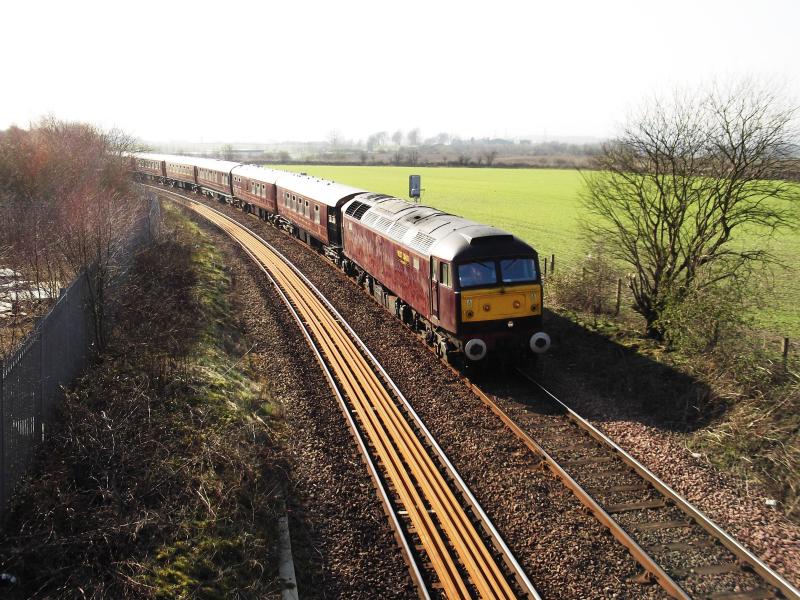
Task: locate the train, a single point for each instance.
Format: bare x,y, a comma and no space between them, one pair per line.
474,291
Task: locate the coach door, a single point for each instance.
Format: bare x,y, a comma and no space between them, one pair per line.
435,287
333,229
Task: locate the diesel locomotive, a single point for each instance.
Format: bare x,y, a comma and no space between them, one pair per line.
474,290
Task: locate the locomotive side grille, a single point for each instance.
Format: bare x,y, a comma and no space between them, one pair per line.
359,212
370,219
398,230
357,209
383,223
422,242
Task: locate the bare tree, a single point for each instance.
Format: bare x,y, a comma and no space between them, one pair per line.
413,137
227,152
376,140
443,138
397,137
684,177
334,138
489,156
70,208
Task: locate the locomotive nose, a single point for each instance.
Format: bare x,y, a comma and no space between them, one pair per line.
540,342
475,349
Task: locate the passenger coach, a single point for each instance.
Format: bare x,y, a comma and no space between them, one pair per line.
314,209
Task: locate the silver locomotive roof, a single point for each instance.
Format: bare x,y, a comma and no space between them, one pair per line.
430,231
321,190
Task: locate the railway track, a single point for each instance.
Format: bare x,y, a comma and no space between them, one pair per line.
450,545
676,544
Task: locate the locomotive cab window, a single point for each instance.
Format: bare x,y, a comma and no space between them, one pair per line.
518,270
476,274
444,277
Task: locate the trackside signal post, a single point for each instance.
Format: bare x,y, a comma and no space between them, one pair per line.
414,187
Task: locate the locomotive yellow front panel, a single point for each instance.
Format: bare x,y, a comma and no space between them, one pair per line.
501,303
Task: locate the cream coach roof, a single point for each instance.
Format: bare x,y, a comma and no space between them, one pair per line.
321,190
202,163
257,173
152,156
211,164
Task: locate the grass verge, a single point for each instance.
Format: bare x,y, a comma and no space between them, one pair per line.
160,479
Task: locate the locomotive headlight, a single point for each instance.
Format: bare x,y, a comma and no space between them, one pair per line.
486,307
517,304
470,314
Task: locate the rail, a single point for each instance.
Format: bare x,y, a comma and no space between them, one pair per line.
411,471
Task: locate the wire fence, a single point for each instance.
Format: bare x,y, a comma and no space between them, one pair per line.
52,355
770,341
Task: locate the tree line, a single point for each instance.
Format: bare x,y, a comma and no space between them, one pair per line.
66,201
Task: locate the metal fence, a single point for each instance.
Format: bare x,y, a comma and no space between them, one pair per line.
50,357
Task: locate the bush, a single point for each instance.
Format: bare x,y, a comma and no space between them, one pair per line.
591,288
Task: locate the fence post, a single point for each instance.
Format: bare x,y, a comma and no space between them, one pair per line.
2,440
40,401
545,266
785,350
619,296
552,264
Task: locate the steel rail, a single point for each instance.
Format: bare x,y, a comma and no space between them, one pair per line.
410,497
388,508
638,553
379,413
460,531
766,573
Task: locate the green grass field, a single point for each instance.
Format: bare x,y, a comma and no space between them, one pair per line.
542,206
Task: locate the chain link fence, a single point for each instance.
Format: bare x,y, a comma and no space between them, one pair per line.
53,354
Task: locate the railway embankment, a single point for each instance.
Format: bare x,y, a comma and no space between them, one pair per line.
162,474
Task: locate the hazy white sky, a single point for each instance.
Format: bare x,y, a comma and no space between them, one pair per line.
295,70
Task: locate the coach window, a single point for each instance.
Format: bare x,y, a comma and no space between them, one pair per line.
305,210
316,214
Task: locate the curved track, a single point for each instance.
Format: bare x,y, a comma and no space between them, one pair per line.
434,515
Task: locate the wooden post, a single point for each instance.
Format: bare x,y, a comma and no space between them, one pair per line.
545,266
3,470
552,264
785,349
619,296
